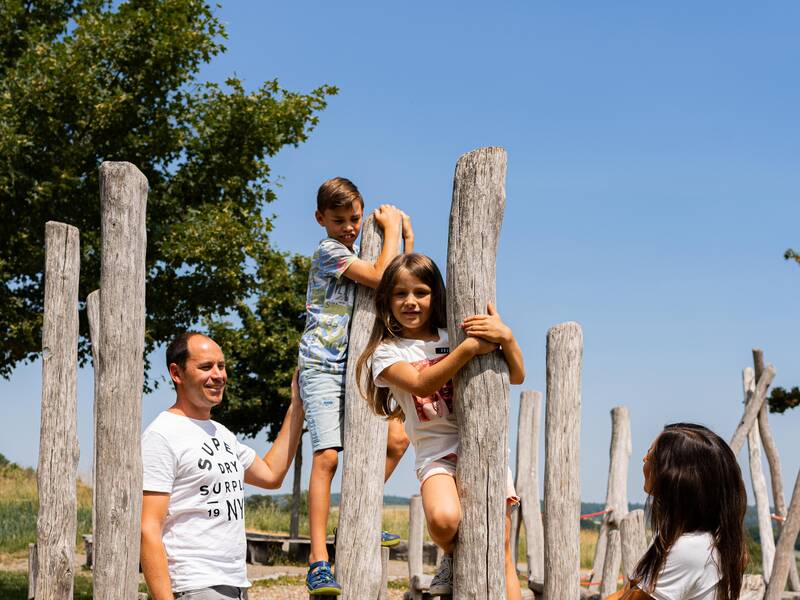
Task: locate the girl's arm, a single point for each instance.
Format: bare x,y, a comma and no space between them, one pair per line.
490,327
430,379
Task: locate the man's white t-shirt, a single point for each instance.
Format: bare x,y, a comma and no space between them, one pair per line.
690,571
430,423
201,465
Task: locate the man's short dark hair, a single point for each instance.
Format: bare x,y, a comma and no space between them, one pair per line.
336,193
178,349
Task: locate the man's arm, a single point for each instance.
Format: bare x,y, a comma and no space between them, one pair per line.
153,555
390,219
269,472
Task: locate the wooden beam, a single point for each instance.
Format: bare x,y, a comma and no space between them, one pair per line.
784,554
751,409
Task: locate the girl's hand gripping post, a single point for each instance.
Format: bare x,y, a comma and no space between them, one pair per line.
490,327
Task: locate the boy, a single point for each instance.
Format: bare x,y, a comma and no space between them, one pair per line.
335,270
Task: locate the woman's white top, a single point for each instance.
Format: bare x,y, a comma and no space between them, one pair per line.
691,570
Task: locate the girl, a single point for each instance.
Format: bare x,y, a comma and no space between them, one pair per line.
409,355
697,503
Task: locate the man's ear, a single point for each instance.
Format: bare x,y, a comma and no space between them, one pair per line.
175,373
318,216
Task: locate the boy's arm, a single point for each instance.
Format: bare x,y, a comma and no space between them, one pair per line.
491,327
390,219
408,235
269,472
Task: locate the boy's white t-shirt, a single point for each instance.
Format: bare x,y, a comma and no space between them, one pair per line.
201,465
690,571
430,423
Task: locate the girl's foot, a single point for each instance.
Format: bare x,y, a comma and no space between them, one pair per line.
442,582
320,581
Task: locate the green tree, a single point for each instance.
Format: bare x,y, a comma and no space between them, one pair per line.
780,400
792,255
83,81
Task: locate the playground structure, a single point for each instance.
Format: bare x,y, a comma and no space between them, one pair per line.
116,315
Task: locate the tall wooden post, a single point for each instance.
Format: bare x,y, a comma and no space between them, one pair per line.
562,485
617,490
759,484
358,550
634,542
751,410
294,520
774,461
527,484
784,555
120,377
93,316
58,441
481,387
613,557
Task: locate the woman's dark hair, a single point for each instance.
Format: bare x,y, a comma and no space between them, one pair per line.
695,486
424,269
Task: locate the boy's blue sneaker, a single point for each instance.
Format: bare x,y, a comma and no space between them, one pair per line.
320,581
389,539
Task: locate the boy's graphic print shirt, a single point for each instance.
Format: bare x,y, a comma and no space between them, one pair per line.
329,306
429,422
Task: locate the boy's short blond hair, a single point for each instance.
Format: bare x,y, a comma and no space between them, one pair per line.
336,193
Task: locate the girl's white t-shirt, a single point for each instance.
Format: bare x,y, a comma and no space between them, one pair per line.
691,570
430,423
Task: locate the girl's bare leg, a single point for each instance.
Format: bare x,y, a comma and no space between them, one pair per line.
512,582
442,510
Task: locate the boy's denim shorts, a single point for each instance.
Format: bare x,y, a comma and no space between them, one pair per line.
323,402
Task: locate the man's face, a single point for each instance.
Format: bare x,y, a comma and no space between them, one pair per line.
202,382
343,223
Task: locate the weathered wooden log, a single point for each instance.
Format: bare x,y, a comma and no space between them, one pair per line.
57,472
93,316
562,486
774,461
481,387
33,567
120,378
383,590
527,484
753,587
784,554
294,519
633,540
358,554
613,557
751,410
617,490
416,525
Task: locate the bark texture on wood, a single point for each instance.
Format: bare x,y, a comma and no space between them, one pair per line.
634,542
120,377
93,316
294,522
416,525
58,439
358,554
774,461
617,490
751,408
784,554
613,557
562,486
32,569
383,590
527,483
481,387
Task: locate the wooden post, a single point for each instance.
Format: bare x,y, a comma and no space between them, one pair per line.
481,387
58,440
527,484
751,410
294,522
617,491
759,484
93,316
120,378
562,485
634,542
611,565
774,461
358,555
383,590
416,525
32,570
784,555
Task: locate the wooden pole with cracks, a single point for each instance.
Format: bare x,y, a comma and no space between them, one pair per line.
294,519
481,387
358,550
562,486
751,410
120,378
613,557
633,540
57,470
784,554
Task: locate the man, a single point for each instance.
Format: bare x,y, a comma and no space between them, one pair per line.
195,469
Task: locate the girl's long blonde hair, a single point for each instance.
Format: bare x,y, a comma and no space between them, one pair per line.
424,269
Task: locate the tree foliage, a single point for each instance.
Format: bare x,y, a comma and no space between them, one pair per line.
792,255
83,81
780,400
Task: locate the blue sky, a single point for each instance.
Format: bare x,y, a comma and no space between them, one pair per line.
652,186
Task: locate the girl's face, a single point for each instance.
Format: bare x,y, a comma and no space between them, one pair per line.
647,469
411,304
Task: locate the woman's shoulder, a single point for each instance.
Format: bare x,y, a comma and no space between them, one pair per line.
694,549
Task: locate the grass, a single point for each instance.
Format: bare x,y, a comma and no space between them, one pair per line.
14,586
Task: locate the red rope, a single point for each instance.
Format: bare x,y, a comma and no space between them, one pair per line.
595,514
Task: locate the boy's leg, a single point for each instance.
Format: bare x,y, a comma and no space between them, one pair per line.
396,445
512,582
323,468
